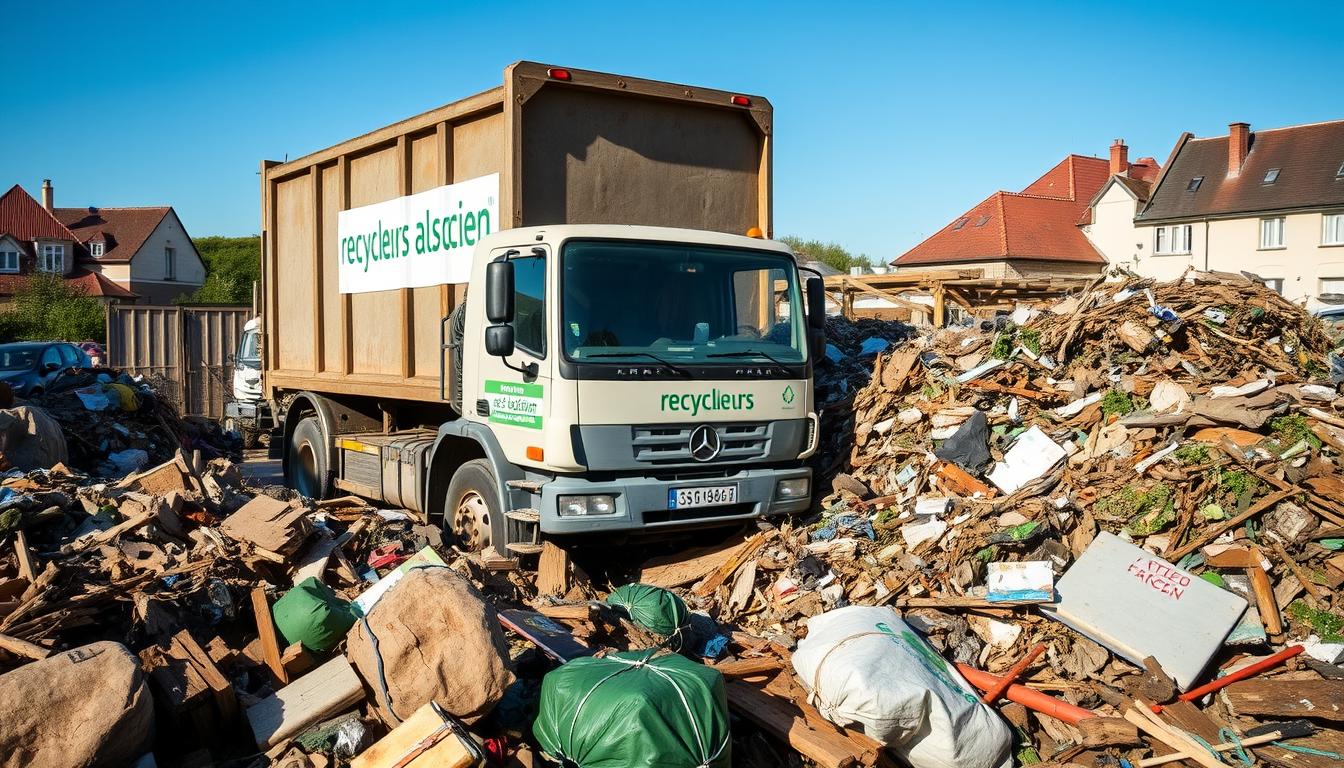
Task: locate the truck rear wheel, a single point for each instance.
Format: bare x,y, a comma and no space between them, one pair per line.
307,463
472,504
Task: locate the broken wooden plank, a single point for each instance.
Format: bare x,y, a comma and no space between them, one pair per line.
552,570
23,648
750,667
1320,699
423,740
715,579
327,690
808,733
129,524
266,635
270,524
687,567
226,701
27,566
576,612
297,660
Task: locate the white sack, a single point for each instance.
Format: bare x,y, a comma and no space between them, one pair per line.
864,665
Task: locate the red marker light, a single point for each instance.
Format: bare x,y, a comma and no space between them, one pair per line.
741,101
559,74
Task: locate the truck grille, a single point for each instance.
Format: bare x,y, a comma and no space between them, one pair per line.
671,444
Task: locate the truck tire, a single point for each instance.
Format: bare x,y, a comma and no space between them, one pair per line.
308,459
472,505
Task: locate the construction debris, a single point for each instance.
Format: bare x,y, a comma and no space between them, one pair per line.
1107,527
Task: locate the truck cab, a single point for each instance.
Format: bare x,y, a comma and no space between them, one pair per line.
634,378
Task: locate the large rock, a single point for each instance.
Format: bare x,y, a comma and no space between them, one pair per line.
78,709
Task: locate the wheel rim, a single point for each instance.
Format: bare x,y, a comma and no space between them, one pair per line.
306,481
471,521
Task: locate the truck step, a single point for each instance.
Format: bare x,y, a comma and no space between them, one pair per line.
524,515
519,548
531,486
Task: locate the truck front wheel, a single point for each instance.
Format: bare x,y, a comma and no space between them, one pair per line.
472,504
307,463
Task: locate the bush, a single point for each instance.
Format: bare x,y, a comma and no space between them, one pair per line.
48,307
232,265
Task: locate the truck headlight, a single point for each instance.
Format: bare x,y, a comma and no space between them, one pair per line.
585,506
796,488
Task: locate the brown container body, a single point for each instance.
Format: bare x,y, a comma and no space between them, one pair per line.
598,149
186,346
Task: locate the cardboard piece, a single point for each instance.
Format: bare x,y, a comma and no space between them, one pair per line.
1139,605
275,526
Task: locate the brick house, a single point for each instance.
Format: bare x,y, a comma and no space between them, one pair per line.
122,254
1027,234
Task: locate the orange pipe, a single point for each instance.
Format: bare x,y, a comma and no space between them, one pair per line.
1241,674
1027,697
1014,672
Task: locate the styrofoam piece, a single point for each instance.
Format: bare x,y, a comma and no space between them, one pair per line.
1027,580
1139,605
1031,456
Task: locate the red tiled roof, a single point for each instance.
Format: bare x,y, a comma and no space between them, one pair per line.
1038,223
124,230
1145,169
1309,159
26,220
93,284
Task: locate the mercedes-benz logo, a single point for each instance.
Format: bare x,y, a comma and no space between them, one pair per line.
705,443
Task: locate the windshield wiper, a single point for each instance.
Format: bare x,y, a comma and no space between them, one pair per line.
750,353
672,366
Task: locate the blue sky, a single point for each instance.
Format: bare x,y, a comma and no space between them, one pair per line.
890,118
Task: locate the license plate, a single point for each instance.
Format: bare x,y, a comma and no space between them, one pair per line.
713,496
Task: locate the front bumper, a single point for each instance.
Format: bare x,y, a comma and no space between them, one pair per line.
642,502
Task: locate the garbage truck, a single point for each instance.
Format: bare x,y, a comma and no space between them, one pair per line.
550,308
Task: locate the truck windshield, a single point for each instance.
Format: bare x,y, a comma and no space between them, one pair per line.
247,348
686,304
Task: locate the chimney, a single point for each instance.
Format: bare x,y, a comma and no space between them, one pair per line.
47,194
1238,145
1119,158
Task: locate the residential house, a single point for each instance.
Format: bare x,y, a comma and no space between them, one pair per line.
1108,221
32,240
1032,233
1268,202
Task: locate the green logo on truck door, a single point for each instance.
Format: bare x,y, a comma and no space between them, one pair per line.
516,404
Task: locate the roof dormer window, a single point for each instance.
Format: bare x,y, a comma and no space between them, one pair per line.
96,250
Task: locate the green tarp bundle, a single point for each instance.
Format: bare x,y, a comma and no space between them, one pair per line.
313,615
653,608
634,710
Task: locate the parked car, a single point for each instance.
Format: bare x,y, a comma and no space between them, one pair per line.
29,366
1333,315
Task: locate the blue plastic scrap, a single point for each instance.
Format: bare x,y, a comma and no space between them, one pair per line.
872,345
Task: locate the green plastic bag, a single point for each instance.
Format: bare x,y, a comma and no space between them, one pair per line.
312,614
653,608
628,710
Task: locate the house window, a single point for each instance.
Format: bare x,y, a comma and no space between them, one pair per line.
960,223
9,261
1271,233
1193,186
1272,175
51,258
95,250
1172,241
1274,283
169,264
1332,285
1332,233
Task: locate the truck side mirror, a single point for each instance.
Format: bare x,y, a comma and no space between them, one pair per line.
499,292
816,303
499,340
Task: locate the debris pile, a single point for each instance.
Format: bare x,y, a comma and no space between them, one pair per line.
115,424
1105,531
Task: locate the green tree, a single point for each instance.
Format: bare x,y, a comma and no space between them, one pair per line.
232,265
47,307
831,254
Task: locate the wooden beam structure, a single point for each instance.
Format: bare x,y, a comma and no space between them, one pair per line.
966,288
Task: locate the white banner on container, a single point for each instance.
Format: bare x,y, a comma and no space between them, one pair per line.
418,240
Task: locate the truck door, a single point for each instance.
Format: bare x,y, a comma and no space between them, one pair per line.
519,405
